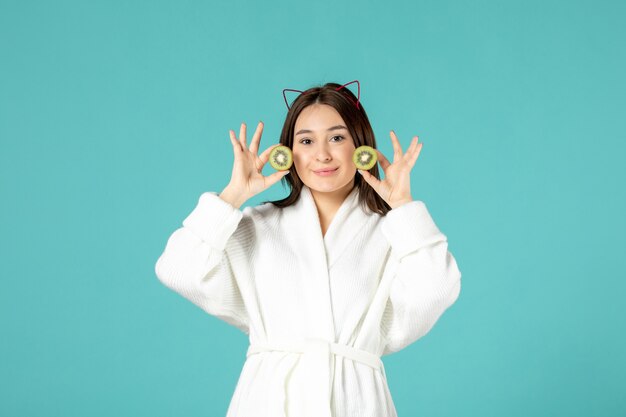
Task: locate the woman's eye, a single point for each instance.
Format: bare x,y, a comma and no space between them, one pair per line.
304,141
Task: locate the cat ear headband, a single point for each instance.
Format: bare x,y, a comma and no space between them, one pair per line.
336,89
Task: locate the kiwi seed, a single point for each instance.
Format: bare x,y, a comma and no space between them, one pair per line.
364,157
281,158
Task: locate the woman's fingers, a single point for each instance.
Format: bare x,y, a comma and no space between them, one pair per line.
410,152
242,137
371,180
236,145
382,160
397,149
274,178
256,138
415,155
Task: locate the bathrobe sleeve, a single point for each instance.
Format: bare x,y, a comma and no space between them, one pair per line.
196,265
426,278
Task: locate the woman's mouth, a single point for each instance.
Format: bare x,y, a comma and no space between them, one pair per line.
326,172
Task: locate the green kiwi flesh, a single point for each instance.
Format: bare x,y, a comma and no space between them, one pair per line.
364,157
281,158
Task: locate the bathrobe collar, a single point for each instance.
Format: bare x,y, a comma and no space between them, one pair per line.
348,221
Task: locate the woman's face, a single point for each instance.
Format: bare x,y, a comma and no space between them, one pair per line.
322,142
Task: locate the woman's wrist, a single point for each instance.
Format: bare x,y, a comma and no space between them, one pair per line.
232,197
401,202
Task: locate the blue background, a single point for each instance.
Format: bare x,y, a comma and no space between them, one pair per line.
114,118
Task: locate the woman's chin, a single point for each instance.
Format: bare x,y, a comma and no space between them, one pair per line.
324,185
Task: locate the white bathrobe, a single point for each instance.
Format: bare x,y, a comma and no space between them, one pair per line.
320,311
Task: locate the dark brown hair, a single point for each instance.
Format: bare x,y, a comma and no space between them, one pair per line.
344,101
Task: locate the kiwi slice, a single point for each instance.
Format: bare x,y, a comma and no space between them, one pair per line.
364,157
281,158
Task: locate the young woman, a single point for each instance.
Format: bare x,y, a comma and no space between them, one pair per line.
344,270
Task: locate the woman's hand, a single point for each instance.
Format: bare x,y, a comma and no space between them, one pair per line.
395,189
246,180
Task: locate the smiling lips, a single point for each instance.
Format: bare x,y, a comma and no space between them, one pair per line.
326,172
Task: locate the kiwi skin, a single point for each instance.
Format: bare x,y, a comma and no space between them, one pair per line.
357,157
278,152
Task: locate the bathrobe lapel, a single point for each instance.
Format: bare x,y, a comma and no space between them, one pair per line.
348,223
316,253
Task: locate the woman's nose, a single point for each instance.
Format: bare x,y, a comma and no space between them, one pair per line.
323,154
323,157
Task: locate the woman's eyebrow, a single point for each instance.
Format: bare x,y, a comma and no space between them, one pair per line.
338,127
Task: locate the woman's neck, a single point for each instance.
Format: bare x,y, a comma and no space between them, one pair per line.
329,203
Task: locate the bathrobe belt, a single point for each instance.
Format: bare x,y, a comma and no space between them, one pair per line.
318,371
